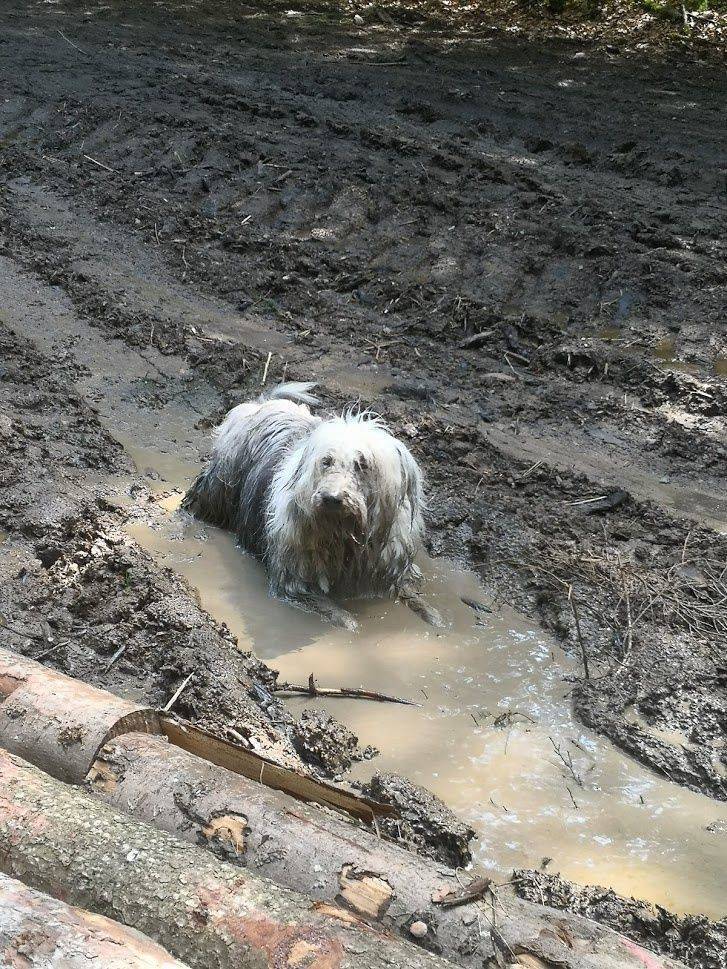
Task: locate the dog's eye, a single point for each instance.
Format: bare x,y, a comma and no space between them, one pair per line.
327,462
362,464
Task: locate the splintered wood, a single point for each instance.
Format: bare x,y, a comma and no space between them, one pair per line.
366,892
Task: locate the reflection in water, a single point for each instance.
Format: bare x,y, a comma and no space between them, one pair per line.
494,706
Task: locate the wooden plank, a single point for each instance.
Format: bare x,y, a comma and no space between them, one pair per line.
237,759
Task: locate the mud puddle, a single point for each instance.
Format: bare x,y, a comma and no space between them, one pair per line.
494,708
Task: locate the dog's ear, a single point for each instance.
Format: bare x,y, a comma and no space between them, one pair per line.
411,481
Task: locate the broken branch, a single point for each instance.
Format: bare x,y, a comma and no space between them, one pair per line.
342,691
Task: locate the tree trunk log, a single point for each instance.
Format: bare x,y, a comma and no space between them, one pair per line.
59,723
209,914
335,861
36,930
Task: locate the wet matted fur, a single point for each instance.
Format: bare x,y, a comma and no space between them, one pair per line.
332,506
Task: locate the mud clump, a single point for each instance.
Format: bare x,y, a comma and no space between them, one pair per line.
693,939
325,743
424,822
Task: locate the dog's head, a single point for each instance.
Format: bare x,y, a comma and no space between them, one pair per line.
352,473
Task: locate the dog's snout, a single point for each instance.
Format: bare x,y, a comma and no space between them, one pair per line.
331,499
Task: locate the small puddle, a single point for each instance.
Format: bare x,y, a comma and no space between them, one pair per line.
665,351
494,706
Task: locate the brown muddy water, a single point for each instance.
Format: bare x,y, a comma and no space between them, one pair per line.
494,705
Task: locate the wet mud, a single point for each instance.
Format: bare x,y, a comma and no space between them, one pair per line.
513,253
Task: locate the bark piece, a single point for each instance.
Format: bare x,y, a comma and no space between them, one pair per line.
36,930
207,913
265,771
58,723
469,893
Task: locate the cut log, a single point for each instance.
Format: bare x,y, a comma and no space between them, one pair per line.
337,862
58,723
36,930
207,913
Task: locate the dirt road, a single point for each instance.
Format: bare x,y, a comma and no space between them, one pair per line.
513,250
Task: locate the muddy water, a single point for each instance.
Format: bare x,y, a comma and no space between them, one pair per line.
494,706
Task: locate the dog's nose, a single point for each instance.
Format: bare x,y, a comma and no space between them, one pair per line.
330,500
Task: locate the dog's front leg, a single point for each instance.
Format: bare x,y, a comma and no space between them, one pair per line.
421,608
321,606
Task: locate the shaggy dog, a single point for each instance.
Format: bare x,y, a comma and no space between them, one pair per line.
332,507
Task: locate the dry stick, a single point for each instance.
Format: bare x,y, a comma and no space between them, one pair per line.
350,693
69,41
117,656
576,617
629,624
567,761
267,364
95,161
177,694
533,467
51,649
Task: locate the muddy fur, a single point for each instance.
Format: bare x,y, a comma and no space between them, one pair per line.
332,506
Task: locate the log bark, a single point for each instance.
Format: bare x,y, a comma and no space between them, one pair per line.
207,913
58,723
337,862
39,931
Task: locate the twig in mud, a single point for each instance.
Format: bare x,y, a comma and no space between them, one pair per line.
116,657
75,46
267,365
629,638
345,692
177,693
48,652
95,161
579,634
573,800
533,467
567,761
586,501
517,356
507,719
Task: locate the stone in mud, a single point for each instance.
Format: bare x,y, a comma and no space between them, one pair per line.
693,939
325,743
423,821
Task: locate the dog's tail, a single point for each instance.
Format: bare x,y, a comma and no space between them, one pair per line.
297,391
